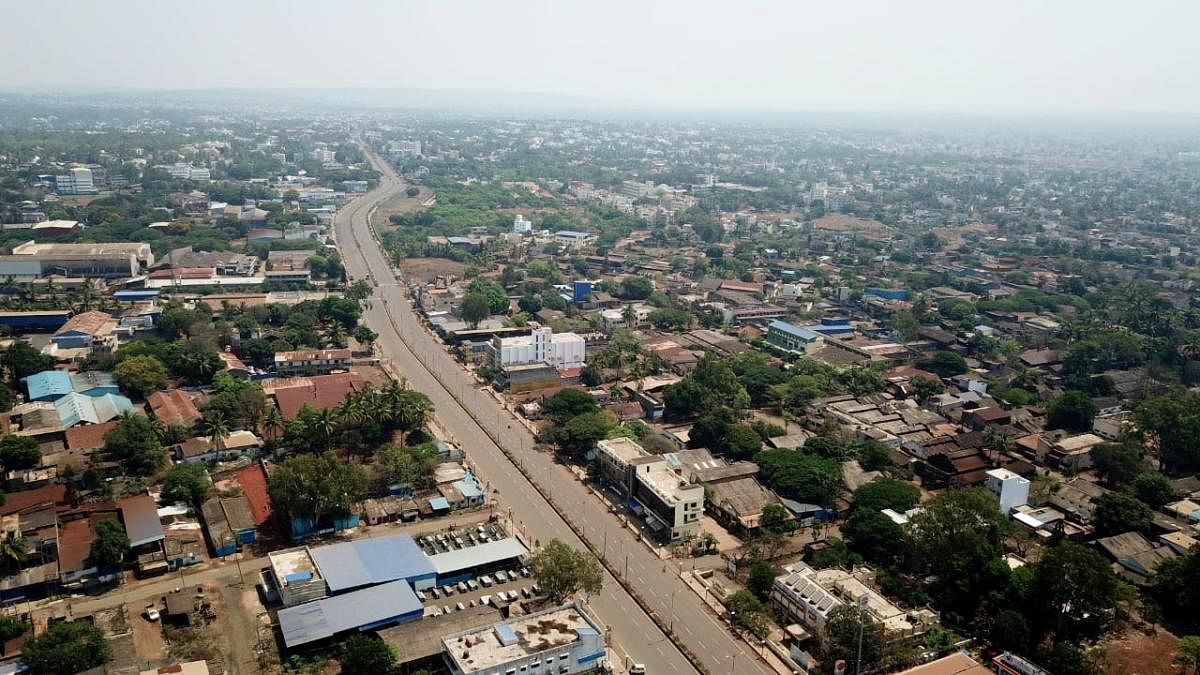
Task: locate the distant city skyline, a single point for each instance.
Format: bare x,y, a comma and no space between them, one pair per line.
1019,57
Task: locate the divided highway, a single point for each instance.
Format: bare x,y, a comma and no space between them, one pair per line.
466,412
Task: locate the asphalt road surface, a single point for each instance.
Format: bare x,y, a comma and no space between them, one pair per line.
428,368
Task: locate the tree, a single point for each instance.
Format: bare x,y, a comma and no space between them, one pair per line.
1174,587
410,192
1117,512
140,375
13,550
19,452
111,544
844,627
311,488
494,293
670,319
363,654
944,364
924,388
776,519
567,404
1154,489
742,441
562,571
66,648
1117,463
748,612
413,465
760,579
801,476
636,288
1170,424
1189,652
874,456
135,443
22,360
906,325
875,537
1075,591
886,493
475,308
188,483
365,336
1072,410
580,433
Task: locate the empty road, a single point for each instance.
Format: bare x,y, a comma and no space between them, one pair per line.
429,369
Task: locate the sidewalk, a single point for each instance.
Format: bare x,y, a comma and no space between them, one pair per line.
768,656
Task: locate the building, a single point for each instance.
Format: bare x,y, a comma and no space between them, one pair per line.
808,596
366,609
560,640
526,377
86,331
36,321
320,361
229,523
318,392
75,408
562,350
571,239
207,449
78,180
48,251
173,406
793,339
363,563
461,564
521,226
1011,489
656,492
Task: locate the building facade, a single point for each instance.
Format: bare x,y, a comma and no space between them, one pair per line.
556,641
561,350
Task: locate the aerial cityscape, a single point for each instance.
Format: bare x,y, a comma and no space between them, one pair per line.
708,349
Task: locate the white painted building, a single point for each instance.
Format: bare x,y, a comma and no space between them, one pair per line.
521,226
76,181
557,641
1011,489
561,350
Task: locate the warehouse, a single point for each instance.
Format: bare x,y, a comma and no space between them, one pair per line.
464,563
369,562
19,322
361,610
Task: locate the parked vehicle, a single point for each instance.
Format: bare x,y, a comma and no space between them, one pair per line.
501,577
152,613
485,600
472,584
486,581
448,590
460,606
421,596
526,592
638,669
462,587
434,592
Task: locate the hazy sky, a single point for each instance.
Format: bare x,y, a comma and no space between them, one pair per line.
1048,56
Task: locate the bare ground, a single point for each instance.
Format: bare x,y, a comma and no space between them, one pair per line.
419,269
400,203
1136,653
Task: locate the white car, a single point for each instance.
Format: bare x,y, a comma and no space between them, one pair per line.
501,577
486,581
151,613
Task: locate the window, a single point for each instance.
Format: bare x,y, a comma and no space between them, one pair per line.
563,657
564,669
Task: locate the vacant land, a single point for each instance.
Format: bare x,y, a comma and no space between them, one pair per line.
840,222
419,269
1136,653
400,203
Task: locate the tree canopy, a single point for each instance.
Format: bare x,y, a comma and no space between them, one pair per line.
1072,410
66,648
800,475
314,487
140,375
136,444
562,571
111,544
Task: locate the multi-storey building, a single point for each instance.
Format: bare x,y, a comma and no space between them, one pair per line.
561,350
556,641
77,180
667,501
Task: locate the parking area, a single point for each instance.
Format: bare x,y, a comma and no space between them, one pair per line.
457,539
498,587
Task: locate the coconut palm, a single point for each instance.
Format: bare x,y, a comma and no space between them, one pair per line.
336,334
326,426
216,427
273,423
13,550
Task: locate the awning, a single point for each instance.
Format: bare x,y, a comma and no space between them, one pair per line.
653,522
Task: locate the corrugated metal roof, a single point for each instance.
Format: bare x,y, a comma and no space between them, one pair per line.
478,555
327,617
141,519
48,384
365,562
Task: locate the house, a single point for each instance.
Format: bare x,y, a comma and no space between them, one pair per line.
667,502
808,596
322,361
88,330
173,407
229,523
76,408
793,339
318,392
203,449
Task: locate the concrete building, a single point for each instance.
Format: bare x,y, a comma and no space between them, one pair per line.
559,641
78,180
571,239
521,225
561,350
665,500
33,260
321,361
1011,489
808,596
791,338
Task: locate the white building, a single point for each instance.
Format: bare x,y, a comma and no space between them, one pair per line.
561,350
572,239
556,641
521,226
808,596
77,181
405,147
1012,490
661,496
615,318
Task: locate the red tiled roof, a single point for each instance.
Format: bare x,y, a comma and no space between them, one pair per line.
173,406
254,486
19,501
89,323
319,392
88,436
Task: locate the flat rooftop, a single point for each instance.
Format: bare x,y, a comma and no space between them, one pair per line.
490,646
622,448
293,564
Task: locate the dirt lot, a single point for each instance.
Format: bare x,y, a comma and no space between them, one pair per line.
840,222
373,374
147,636
419,269
1139,654
399,204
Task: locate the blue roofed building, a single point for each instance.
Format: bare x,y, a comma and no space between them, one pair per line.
50,320
887,293
464,563
350,565
362,610
75,408
94,383
48,385
793,339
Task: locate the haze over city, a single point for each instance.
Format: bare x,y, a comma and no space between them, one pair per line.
1024,57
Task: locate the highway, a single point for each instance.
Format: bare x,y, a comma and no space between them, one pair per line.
428,368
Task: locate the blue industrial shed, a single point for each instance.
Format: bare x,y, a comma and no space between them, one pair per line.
366,609
34,321
455,566
135,296
48,385
370,562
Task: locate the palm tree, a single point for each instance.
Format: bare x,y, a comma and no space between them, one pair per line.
326,427
273,423
216,427
13,550
335,334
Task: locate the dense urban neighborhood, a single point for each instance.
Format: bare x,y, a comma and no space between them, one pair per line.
391,392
